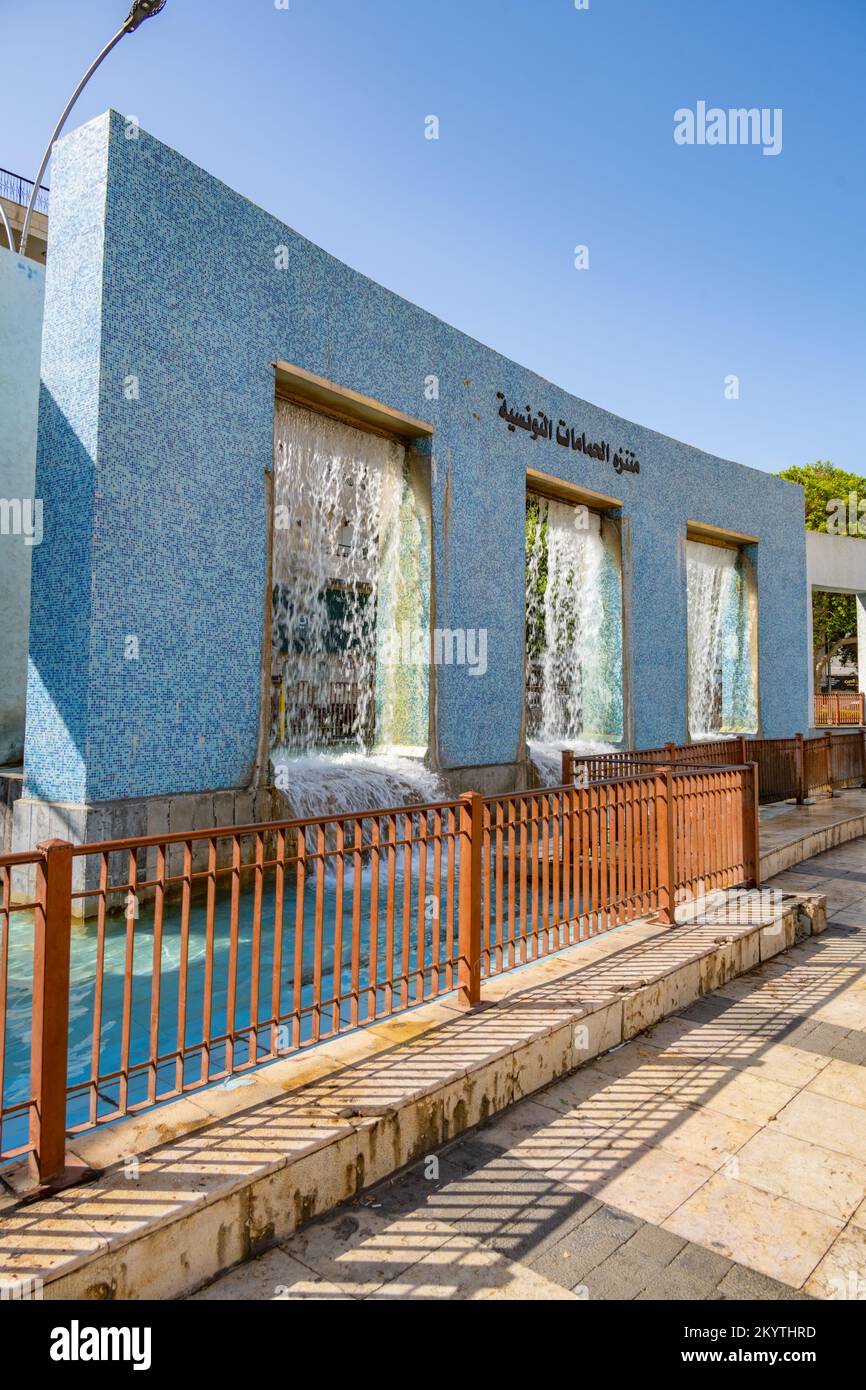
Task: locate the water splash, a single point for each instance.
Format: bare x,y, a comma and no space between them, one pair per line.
573,626
346,782
721,674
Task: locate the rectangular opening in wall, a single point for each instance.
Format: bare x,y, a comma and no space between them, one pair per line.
722,636
574,627
351,585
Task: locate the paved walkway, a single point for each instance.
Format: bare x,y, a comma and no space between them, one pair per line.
790,833
720,1155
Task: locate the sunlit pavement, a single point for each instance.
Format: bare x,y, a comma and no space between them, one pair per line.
720,1155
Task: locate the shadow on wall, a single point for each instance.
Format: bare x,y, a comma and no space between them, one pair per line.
146,632
59,654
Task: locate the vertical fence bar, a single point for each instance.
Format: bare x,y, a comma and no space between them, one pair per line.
665,844
210,919
801,770
298,949
831,775
50,1035
277,969
751,828
234,933
373,974
339,893
256,960
98,990
319,932
567,766
469,903
156,974
436,898
182,967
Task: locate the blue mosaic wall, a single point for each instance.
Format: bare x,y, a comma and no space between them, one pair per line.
155,516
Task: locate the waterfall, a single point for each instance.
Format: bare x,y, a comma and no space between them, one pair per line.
338,493
721,674
573,633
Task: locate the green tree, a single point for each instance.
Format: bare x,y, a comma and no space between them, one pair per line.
834,616
825,486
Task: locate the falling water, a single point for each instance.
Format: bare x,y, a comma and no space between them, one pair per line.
573,631
721,675
337,493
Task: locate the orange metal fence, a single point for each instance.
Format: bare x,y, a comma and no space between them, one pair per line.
789,768
840,707
847,760
198,956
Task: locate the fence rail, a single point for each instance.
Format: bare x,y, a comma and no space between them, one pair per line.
789,768
840,707
198,956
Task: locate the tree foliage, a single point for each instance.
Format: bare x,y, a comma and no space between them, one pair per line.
823,485
834,616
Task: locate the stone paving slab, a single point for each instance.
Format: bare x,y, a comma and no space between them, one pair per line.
720,1155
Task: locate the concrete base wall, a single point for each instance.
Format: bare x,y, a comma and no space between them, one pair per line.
498,779
34,821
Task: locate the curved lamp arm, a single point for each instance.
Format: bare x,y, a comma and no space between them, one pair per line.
141,10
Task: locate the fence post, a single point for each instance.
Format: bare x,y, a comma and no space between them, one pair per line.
742,741
469,902
861,697
751,827
801,770
666,873
567,766
671,751
50,1019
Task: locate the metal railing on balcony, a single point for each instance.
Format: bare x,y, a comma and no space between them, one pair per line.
210,952
19,190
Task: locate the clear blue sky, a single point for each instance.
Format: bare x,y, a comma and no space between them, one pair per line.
556,129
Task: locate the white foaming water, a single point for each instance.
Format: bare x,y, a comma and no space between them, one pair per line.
346,782
712,618
546,758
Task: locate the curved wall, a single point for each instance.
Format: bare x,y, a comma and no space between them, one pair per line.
169,297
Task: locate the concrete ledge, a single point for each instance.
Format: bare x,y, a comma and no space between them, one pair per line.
190,1189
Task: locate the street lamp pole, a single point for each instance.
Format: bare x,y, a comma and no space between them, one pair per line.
141,10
